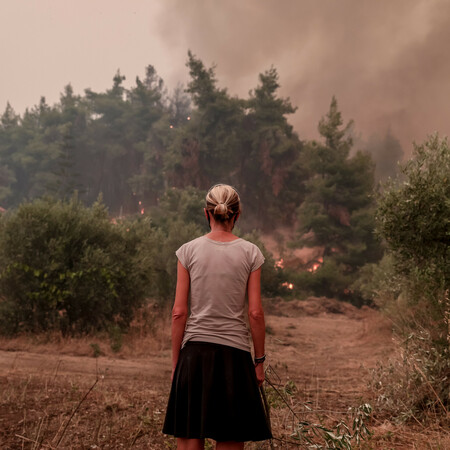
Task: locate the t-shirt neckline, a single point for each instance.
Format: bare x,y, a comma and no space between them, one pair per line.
222,242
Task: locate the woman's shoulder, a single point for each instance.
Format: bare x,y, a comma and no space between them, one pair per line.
193,242
248,244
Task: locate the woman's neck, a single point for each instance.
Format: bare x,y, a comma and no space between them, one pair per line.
222,234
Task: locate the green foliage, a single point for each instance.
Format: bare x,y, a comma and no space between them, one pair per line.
378,283
341,436
149,152
184,205
155,244
328,280
67,267
413,219
96,350
115,337
338,211
133,145
272,176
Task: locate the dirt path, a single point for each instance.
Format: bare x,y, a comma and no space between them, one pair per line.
28,363
326,355
329,355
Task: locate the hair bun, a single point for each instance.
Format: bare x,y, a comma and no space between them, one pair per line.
221,210
222,201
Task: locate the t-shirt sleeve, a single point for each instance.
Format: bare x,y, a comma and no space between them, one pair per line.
182,256
257,259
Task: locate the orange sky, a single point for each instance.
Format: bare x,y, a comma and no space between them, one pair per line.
386,61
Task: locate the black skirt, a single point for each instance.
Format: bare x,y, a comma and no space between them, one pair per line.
215,395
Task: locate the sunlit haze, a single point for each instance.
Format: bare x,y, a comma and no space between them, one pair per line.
387,62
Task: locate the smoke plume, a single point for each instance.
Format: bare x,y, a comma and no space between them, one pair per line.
387,62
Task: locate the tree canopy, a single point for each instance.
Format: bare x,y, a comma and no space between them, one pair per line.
137,146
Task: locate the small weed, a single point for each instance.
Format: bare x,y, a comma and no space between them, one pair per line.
96,351
116,338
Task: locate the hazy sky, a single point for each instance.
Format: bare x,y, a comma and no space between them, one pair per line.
387,62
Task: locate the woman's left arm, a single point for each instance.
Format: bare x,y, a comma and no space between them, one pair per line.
179,312
256,320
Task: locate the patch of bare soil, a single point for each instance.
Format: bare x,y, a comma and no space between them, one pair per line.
321,347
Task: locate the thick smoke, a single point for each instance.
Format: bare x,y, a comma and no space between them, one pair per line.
387,62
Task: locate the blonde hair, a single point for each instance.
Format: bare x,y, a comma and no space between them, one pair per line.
223,202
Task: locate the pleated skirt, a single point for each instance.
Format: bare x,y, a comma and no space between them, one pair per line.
215,395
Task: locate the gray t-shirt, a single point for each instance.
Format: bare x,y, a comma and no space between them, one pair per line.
219,274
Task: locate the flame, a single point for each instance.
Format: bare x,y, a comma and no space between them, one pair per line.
171,126
142,211
314,267
279,264
189,118
287,285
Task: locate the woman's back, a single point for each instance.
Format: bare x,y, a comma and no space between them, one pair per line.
219,273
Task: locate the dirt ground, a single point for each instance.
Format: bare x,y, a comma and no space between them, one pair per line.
61,396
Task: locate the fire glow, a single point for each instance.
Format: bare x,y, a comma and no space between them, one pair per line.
316,265
287,285
279,264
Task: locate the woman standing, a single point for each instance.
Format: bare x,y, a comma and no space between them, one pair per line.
215,382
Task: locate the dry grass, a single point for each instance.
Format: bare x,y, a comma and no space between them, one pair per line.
37,413
149,334
323,360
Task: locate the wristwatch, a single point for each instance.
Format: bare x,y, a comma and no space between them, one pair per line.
260,360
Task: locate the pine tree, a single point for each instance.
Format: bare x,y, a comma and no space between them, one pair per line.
338,211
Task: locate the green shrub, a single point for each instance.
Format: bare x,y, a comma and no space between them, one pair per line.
412,283
156,248
64,266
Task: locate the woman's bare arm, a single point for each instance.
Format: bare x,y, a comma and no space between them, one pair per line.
256,320
179,312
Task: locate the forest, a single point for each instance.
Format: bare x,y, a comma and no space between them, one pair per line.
146,152
99,190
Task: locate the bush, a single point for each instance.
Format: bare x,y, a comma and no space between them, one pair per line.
156,246
64,266
416,384
413,218
328,280
67,267
412,282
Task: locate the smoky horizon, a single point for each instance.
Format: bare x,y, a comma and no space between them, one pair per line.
387,63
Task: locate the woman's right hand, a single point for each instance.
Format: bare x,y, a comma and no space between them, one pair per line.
259,369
